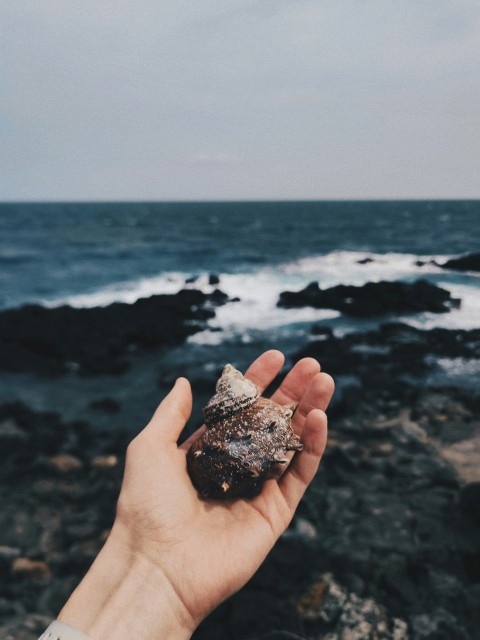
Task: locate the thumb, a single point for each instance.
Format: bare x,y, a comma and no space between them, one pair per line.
172,413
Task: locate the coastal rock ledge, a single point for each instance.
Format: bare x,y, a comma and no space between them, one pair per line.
469,262
373,298
98,340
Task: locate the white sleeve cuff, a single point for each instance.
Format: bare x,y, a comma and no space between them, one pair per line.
61,631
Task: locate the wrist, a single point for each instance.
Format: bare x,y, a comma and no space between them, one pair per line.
125,595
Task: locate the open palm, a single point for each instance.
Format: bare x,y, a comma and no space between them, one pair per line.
207,550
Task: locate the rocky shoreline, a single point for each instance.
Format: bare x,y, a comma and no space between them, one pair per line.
99,340
387,527
385,545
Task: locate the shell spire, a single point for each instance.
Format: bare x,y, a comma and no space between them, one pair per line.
233,393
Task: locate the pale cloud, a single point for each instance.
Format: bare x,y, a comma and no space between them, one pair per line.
216,157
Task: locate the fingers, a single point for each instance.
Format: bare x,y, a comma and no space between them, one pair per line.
293,387
328,391
316,396
303,468
265,368
172,413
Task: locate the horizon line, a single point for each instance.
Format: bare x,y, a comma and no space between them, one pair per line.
233,201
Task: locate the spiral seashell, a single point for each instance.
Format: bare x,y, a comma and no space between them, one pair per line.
246,438
233,394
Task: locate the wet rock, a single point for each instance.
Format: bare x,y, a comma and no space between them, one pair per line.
55,512
8,553
464,456
373,298
26,628
18,526
384,358
106,405
322,332
12,437
7,556
34,569
330,612
81,530
469,262
323,600
47,443
302,529
218,297
254,609
410,430
444,418
470,501
437,625
54,594
10,609
65,463
98,340
104,462
384,449
279,635
213,279
365,261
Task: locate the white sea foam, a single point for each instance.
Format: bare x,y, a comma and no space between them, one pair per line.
259,290
354,267
257,309
467,316
128,291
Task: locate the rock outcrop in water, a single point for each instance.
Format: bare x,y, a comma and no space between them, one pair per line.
394,350
373,299
469,262
98,340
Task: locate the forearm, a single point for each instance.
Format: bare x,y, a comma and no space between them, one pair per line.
124,595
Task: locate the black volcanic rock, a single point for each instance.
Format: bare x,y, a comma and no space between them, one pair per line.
373,298
29,438
365,261
107,405
470,502
469,262
213,278
98,340
381,357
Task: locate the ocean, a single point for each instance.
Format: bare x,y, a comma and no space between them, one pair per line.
93,254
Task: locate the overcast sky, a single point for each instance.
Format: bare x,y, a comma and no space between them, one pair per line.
239,99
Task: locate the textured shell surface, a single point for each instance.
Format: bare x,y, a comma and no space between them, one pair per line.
233,393
246,437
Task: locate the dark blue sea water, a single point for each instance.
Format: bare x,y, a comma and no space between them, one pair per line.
94,254
51,252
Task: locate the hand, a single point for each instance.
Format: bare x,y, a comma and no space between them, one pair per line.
171,557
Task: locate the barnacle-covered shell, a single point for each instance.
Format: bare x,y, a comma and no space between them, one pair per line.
233,394
246,437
